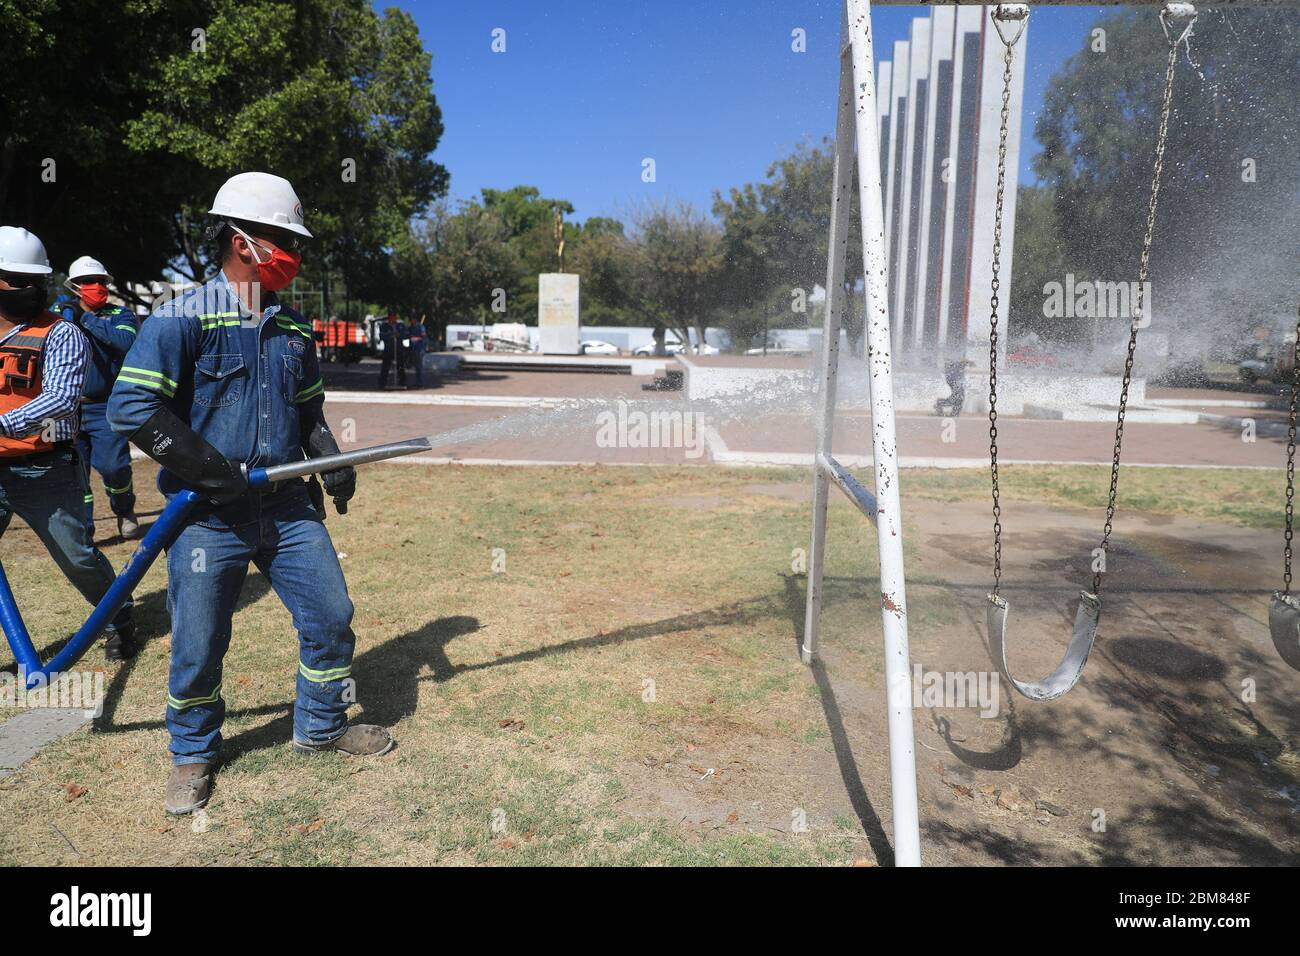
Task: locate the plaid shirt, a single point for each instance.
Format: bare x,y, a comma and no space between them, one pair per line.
62,372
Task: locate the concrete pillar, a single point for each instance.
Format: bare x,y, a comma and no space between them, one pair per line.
959,199
912,170
884,109
930,205
893,192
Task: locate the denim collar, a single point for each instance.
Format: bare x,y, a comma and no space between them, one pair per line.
233,301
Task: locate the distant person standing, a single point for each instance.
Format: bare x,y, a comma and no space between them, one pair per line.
417,337
110,332
391,334
403,352
954,373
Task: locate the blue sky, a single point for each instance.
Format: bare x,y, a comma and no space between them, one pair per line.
711,91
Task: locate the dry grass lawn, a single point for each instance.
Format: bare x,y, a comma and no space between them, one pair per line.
626,691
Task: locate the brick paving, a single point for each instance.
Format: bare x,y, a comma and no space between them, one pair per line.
364,377
1019,439
920,437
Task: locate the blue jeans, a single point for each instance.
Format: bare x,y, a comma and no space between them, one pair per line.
286,539
107,452
47,491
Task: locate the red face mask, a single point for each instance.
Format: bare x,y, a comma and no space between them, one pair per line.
94,295
278,271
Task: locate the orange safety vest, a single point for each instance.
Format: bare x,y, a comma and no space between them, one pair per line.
21,358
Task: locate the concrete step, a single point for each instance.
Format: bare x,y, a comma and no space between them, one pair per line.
1107,413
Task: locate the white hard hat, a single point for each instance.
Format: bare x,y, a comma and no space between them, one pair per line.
260,197
87,266
21,251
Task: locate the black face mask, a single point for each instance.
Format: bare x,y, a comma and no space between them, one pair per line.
23,304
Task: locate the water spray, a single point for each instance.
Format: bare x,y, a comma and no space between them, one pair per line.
772,396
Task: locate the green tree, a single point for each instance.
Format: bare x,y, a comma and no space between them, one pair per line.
458,265
148,106
1039,258
530,222
774,242
676,268
74,76
1225,235
605,259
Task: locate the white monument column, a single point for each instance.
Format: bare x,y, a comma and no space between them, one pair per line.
557,313
892,180
930,205
884,110
963,138
913,160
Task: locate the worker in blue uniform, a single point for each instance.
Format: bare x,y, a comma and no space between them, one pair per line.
110,332
224,379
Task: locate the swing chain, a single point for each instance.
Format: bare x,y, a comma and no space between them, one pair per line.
1009,45
1144,273
1290,463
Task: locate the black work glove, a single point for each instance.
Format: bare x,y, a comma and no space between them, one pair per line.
340,484
174,445
317,496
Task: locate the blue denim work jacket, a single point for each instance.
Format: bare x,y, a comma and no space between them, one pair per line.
241,381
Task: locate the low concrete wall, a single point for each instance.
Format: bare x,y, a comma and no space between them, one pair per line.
444,363
918,391
714,382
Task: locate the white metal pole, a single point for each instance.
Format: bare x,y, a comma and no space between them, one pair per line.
884,443
841,209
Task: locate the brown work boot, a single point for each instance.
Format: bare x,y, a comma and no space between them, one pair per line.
359,740
188,787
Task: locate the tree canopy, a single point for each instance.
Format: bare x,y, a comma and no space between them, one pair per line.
113,141
1225,235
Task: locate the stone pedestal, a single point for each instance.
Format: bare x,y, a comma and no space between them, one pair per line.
557,313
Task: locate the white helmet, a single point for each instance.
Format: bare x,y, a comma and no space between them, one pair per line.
260,197
85,267
21,251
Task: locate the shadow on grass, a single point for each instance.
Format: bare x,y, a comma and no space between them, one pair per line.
396,667
872,828
1149,674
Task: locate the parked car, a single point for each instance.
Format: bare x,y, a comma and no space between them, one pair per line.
471,343
670,348
1273,362
597,347
779,342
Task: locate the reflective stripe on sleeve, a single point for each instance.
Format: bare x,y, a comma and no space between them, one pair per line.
143,376
310,392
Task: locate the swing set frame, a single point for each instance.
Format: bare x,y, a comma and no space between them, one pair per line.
856,124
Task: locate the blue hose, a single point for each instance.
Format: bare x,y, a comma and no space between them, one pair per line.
160,536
